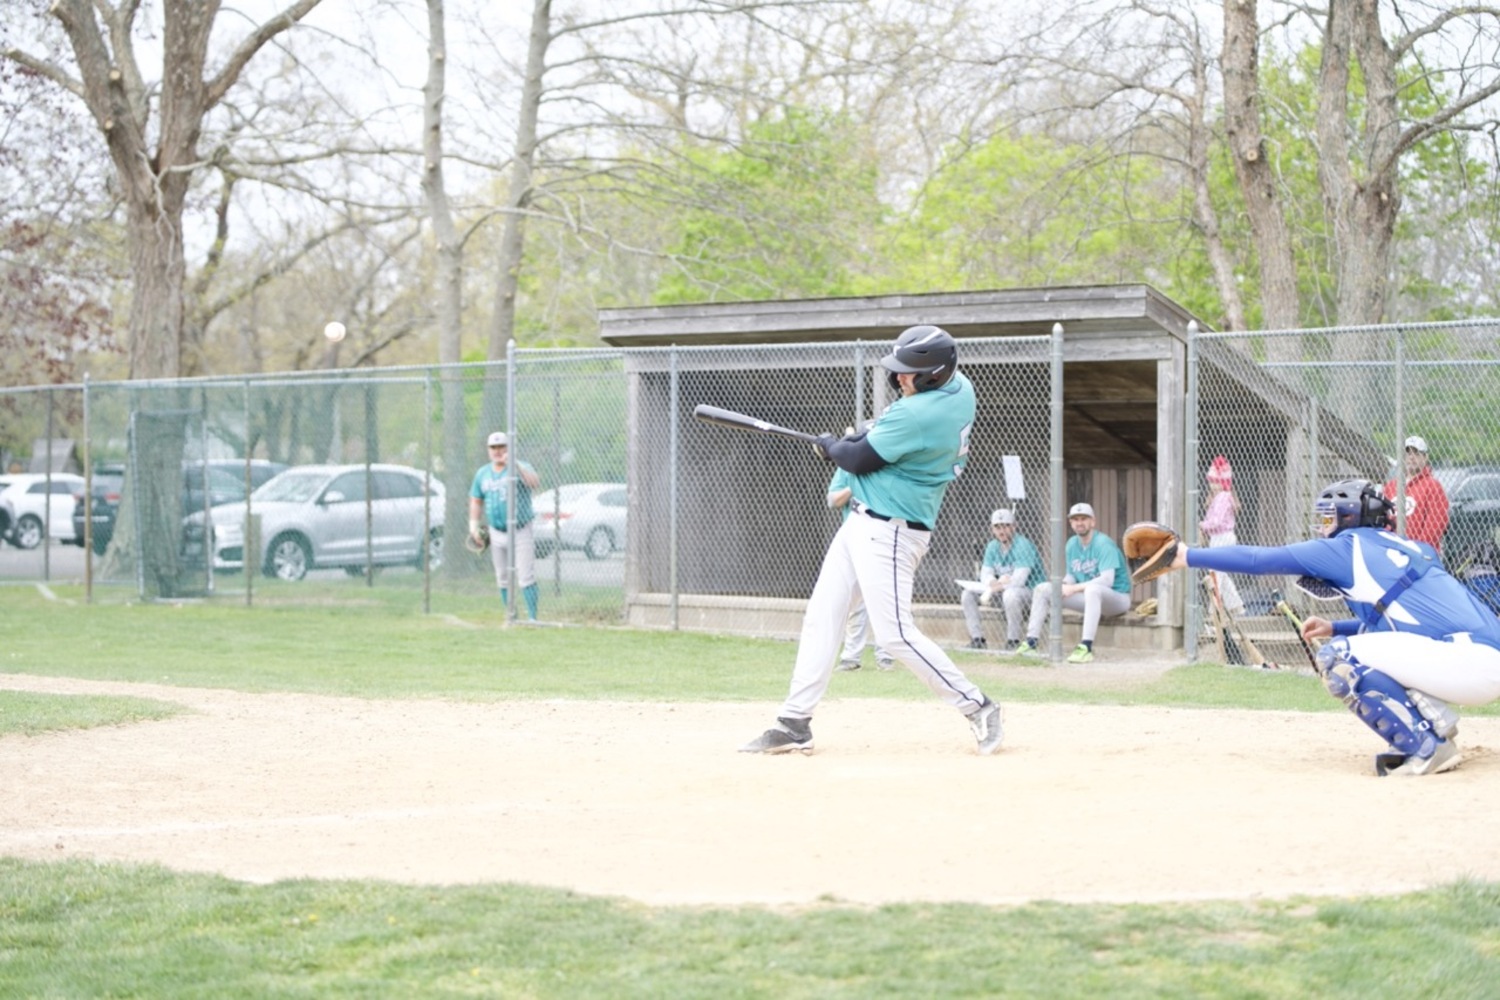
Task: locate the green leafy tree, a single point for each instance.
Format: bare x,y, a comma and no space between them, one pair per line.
792,212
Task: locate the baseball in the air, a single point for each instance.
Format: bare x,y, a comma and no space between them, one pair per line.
334,331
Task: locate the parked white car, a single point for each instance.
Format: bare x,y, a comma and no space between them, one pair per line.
25,502
315,517
587,516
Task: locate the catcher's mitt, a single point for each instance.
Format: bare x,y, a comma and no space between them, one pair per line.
1150,547
478,542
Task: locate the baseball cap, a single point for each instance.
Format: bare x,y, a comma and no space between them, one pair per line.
1080,510
1417,443
499,438
1003,516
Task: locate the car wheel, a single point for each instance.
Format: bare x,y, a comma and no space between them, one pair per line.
28,533
599,544
288,558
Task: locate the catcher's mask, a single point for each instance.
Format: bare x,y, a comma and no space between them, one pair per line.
1352,503
928,351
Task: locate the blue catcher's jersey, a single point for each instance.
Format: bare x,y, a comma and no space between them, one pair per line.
925,438
1365,564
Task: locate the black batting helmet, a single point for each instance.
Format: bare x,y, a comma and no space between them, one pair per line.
1353,503
928,351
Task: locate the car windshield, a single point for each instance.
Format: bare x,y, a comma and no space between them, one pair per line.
291,487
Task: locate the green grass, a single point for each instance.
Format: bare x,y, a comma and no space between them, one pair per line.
78,929
29,713
74,929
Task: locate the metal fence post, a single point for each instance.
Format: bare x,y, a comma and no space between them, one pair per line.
512,590
88,501
1059,499
1399,391
1193,606
672,477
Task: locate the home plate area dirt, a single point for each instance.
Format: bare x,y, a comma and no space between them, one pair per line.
652,802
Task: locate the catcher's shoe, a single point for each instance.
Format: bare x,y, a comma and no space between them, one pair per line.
845,666
787,736
885,664
1445,758
1081,654
988,723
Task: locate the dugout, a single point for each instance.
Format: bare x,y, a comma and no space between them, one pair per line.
727,530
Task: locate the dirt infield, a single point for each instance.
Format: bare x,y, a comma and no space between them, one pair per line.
650,801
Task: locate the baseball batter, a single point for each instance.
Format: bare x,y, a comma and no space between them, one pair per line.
1419,639
901,467
487,500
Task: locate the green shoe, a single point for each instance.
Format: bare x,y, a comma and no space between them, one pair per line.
1082,654
1027,648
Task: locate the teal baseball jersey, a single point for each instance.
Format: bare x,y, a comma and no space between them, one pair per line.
490,486
925,440
1101,554
1021,555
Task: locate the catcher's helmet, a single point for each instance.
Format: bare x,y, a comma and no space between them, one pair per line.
929,351
1352,503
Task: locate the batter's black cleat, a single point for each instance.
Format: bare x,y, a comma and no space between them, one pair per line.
787,736
988,723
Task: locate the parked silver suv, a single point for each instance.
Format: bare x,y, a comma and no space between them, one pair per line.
320,516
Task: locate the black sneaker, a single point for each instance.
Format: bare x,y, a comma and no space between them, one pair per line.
978,643
787,736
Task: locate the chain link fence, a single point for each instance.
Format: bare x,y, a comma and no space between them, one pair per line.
1285,413
647,516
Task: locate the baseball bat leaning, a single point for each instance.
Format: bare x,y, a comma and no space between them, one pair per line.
1248,650
1285,610
740,421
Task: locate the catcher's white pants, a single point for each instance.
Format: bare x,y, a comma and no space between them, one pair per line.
525,556
1094,602
876,559
1013,599
1461,671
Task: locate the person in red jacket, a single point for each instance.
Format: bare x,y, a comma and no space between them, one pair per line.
1426,503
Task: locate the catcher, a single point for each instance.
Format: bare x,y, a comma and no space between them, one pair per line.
1419,639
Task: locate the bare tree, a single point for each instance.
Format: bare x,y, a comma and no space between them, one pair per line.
152,132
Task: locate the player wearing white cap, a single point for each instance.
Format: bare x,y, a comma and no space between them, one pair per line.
1011,565
1426,501
1097,584
488,508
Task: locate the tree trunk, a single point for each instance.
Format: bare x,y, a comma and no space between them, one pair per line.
454,445
1256,175
513,231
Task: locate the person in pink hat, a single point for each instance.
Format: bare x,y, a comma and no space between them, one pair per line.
1218,528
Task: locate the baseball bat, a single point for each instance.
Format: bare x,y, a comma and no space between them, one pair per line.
740,421
1285,610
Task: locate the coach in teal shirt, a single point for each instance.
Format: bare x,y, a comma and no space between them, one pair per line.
1097,584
